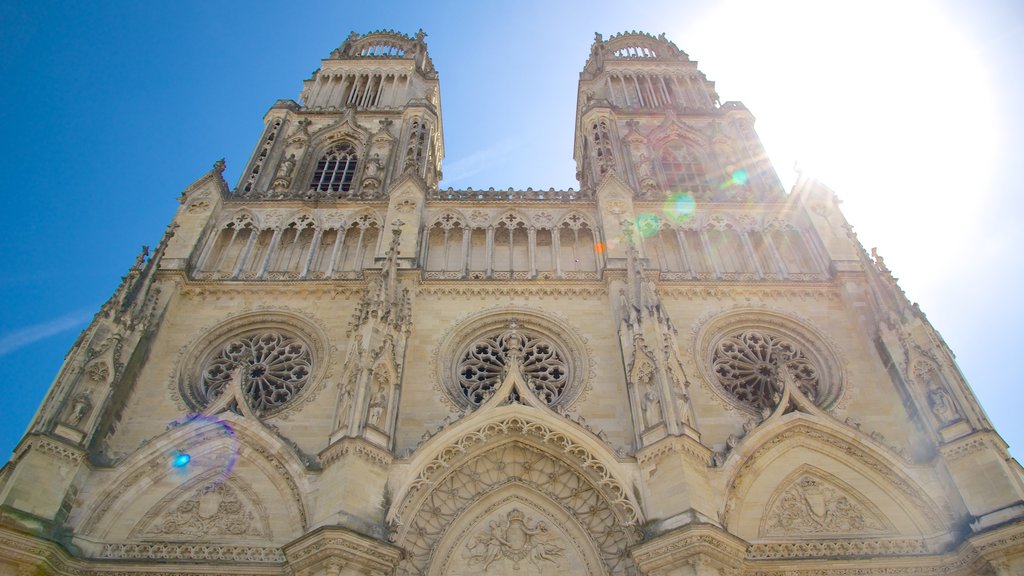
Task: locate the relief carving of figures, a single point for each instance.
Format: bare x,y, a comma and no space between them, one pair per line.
79,409
216,509
942,405
812,506
515,538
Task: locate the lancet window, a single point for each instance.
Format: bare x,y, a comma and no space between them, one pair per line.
681,168
335,170
602,147
416,149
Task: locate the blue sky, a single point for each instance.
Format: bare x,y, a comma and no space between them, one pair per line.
912,115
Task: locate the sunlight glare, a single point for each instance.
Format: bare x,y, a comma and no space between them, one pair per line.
887,103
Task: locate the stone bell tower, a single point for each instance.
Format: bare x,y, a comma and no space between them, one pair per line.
649,126
368,127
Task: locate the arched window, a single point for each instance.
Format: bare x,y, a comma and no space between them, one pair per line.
335,170
681,167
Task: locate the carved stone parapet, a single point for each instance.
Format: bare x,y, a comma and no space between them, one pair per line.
338,549
50,446
358,447
966,445
703,547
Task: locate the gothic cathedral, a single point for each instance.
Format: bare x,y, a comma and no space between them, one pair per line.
338,368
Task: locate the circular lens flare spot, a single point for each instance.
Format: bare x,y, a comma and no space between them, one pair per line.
180,460
647,225
680,207
599,248
739,177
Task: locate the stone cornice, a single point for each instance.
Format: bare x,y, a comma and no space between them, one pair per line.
358,447
333,545
683,445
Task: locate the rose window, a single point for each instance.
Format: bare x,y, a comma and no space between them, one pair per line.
275,367
747,365
482,367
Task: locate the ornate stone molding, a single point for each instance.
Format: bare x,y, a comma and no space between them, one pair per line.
674,445
966,446
204,289
689,545
52,447
341,547
358,447
619,495
833,548
190,552
531,289
742,293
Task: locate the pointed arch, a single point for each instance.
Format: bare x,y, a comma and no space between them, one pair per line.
502,445
223,446
761,463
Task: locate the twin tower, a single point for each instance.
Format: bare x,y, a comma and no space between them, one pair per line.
337,368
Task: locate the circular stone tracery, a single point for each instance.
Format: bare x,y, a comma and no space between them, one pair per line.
482,366
747,366
275,367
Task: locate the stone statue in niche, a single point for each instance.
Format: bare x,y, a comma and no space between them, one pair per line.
651,406
374,167
345,404
682,400
287,167
80,408
942,405
378,405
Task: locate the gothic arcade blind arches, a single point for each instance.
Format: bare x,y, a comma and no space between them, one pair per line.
301,249
511,248
335,169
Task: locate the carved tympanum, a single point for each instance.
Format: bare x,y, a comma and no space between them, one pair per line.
275,367
747,364
214,510
515,538
812,506
483,365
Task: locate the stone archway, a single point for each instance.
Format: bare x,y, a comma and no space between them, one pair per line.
513,497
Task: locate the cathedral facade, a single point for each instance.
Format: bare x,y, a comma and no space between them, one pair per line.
339,368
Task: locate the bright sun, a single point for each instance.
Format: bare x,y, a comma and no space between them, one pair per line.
885,102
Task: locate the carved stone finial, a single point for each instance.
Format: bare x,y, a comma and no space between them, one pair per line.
219,166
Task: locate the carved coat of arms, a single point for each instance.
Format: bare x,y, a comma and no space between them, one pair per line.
515,538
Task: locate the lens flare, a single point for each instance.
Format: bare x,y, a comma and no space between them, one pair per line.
217,450
680,207
647,224
599,248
